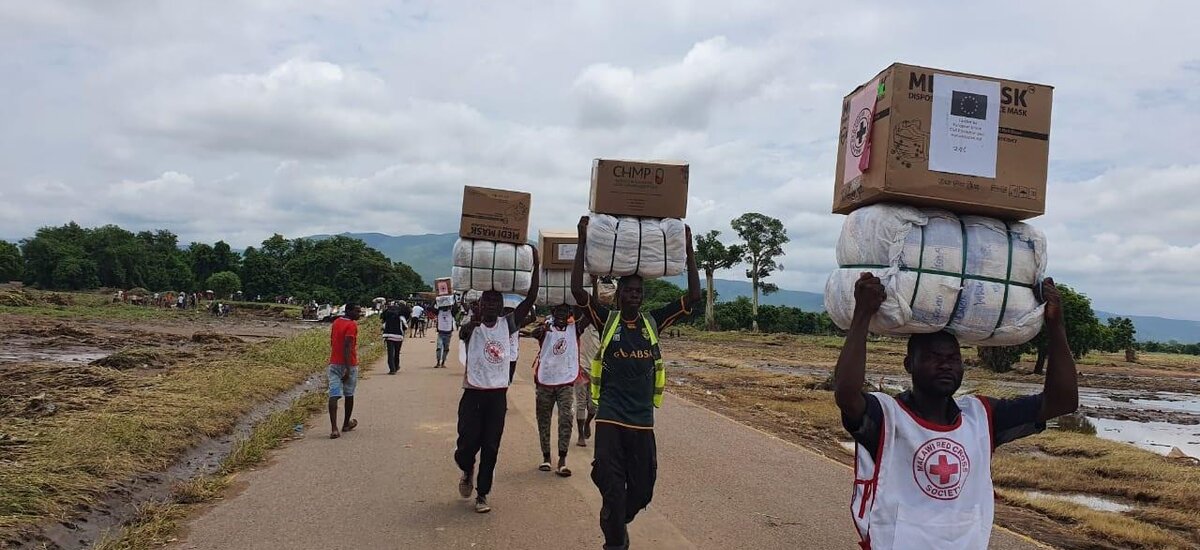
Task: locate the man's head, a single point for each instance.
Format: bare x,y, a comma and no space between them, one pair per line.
560,313
935,363
629,292
352,311
491,303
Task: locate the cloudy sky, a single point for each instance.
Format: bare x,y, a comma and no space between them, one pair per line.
236,120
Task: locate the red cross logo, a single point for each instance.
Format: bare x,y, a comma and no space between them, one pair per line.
941,467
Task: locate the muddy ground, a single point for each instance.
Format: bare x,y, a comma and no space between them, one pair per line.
53,365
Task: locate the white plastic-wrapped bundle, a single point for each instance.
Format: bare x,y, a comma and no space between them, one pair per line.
555,287
970,275
487,265
650,247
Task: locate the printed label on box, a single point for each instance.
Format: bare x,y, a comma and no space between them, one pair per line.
965,126
858,131
566,252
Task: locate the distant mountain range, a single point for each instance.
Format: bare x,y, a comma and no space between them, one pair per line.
429,255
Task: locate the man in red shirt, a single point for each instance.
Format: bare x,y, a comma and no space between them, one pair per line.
343,367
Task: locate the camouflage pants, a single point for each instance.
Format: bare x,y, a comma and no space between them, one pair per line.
564,398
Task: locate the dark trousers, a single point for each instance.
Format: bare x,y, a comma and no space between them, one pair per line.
393,354
624,469
480,426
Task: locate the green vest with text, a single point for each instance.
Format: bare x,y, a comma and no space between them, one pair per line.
610,329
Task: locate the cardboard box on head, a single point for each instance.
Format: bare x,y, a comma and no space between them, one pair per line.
443,286
557,248
927,137
495,215
648,189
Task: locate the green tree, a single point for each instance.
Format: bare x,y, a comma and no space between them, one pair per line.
735,315
74,273
12,265
224,284
263,275
764,238
1000,358
711,255
51,247
657,293
166,265
202,261
1084,331
224,258
1121,335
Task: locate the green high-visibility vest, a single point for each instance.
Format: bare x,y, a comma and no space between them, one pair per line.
610,328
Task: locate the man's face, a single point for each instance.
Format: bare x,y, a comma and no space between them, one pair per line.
354,313
560,314
630,295
491,304
937,368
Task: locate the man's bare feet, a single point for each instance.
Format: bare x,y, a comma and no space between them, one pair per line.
350,425
335,434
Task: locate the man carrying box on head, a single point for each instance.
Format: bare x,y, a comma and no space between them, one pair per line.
923,462
627,381
487,338
556,370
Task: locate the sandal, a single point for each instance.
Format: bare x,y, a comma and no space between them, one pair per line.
563,471
545,467
348,427
335,435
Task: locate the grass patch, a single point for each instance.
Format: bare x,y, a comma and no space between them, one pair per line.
56,464
272,431
157,523
1119,529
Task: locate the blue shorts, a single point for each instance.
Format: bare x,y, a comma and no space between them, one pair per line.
337,388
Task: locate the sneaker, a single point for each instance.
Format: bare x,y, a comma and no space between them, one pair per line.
481,505
465,486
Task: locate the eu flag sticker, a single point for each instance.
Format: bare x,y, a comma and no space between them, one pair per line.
970,105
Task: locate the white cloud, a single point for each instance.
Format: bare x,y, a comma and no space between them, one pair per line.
680,95
236,120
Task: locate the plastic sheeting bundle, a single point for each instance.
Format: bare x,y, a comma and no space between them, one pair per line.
650,247
970,275
556,287
487,265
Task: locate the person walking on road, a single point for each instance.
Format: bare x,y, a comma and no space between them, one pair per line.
343,368
555,373
393,335
627,382
445,328
923,459
416,318
486,342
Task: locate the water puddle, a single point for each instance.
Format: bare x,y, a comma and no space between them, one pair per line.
1095,503
1158,437
51,355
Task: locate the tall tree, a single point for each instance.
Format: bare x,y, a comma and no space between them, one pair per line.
263,275
12,265
202,261
224,284
224,258
764,238
711,255
1122,334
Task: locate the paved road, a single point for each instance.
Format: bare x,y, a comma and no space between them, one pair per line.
393,484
